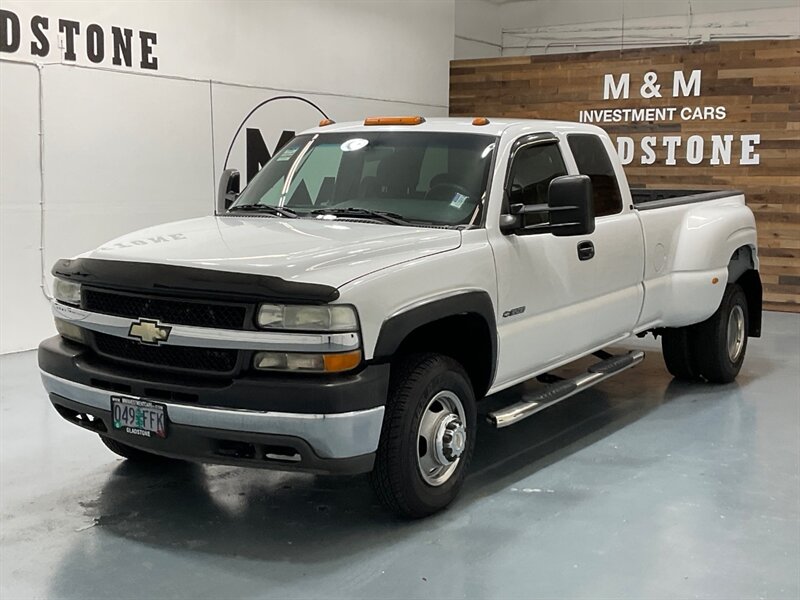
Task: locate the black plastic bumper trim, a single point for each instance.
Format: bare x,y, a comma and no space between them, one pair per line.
318,394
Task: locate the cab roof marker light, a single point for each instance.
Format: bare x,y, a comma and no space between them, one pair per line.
326,122
479,121
416,120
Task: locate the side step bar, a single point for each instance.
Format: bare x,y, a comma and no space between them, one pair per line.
557,392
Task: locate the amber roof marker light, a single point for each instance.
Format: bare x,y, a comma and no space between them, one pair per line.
325,122
394,120
480,121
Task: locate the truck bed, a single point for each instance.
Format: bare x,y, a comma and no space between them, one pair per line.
649,199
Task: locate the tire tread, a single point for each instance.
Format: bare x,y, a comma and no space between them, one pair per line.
699,351
387,475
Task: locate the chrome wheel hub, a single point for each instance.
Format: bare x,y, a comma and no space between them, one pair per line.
451,439
441,438
736,333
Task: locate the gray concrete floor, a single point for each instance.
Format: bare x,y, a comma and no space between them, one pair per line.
640,488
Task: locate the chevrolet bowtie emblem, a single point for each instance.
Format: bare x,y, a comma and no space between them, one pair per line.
149,332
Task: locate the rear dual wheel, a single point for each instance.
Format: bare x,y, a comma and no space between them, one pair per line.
714,349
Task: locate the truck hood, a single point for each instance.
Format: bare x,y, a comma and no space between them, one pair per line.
330,252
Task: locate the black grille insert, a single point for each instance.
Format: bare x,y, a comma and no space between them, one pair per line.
178,312
212,360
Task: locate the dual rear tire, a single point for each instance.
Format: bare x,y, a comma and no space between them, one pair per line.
714,349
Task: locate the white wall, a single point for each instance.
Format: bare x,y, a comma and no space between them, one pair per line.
558,26
478,31
125,147
516,27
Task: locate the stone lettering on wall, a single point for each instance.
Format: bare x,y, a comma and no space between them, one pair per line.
43,35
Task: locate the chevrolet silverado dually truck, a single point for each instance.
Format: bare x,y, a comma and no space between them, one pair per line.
347,310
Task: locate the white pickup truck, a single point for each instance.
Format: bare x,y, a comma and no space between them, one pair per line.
347,310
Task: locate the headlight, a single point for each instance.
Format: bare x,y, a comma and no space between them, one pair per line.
67,292
335,317
309,363
70,331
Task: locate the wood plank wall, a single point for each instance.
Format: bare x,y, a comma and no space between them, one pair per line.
757,83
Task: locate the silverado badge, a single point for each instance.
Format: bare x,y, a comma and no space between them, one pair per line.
149,332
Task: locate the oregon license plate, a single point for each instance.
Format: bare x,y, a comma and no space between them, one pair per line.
139,417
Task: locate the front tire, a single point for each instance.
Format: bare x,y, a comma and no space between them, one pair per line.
428,436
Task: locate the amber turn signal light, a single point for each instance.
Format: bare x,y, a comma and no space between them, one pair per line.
344,361
394,120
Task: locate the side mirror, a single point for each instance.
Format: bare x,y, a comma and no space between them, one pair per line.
569,211
571,205
228,190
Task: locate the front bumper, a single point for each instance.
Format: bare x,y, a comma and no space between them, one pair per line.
243,422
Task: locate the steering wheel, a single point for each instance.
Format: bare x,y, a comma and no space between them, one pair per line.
444,191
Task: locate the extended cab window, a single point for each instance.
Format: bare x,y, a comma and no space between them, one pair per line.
592,160
533,169
423,177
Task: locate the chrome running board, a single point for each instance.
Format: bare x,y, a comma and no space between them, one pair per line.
556,392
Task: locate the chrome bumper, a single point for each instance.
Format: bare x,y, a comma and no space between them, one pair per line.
338,435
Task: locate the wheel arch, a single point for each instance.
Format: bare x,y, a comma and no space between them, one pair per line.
461,326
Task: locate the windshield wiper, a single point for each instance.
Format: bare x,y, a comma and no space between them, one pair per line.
275,210
388,217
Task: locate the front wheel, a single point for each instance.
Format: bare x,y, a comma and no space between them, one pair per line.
428,436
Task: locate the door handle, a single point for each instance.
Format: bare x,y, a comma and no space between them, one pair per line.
585,250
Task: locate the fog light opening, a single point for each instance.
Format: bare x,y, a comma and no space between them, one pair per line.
281,453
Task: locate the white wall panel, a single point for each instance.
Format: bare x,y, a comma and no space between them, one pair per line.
477,29
389,49
21,302
558,26
546,13
122,152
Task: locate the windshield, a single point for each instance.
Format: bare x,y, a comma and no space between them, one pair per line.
422,178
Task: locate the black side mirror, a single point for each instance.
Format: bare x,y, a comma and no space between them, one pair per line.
228,190
571,205
569,210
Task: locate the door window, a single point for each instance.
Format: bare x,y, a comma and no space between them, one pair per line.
534,167
592,160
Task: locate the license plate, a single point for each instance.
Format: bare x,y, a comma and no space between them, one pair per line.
139,417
